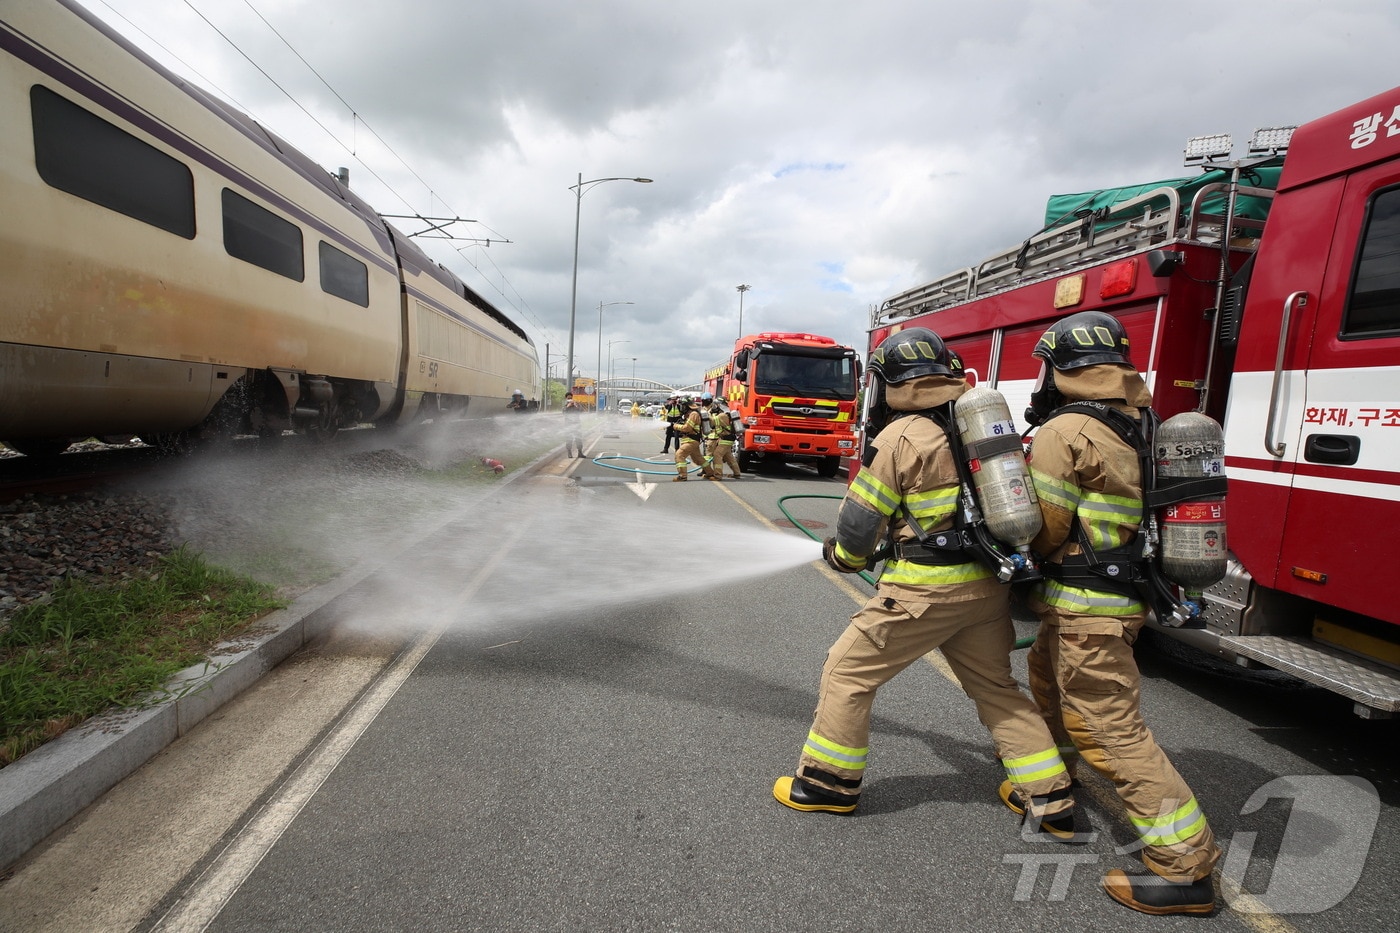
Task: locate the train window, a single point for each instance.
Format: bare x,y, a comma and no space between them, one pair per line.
1373,309
255,234
81,153
344,276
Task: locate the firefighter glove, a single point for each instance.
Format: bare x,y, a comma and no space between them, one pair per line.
834,562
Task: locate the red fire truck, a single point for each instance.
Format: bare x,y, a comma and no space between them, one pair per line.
795,395
1264,292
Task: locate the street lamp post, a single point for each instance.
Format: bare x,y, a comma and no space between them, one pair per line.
741,289
544,400
578,190
610,346
601,306
634,369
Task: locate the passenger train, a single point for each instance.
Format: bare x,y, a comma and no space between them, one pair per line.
172,270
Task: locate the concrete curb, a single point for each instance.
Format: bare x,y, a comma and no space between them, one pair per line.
52,784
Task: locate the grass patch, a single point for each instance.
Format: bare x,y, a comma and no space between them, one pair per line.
93,647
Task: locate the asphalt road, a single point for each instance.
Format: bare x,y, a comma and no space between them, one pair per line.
567,713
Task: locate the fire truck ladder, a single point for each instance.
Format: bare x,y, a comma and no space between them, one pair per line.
1150,220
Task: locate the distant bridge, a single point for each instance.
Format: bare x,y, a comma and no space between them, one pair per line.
628,386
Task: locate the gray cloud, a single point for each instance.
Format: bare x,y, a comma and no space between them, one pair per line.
828,154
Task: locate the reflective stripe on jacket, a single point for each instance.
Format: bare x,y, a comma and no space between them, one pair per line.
1083,472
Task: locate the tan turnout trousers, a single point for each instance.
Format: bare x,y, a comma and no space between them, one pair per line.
888,635
1082,671
955,607
1088,685
688,446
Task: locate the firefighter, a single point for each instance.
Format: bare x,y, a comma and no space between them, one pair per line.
517,403
573,413
720,452
689,435
926,598
707,402
1081,668
672,412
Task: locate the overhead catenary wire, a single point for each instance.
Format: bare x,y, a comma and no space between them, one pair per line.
358,118
518,304
299,105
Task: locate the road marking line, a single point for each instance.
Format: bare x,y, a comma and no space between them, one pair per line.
202,902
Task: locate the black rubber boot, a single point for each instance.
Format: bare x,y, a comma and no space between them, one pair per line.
800,795
1152,894
1059,827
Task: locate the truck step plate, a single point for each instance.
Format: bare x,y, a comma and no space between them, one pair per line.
1364,681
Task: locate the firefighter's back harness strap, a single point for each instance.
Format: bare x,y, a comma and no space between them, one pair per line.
1123,569
943,548
1129,569
992,446
969,540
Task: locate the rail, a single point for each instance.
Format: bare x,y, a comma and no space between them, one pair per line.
1197,229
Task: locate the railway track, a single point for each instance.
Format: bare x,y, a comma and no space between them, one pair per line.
83,469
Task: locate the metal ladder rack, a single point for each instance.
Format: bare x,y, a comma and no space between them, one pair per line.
1149,220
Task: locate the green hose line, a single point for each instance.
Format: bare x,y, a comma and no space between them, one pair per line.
864,575
690,467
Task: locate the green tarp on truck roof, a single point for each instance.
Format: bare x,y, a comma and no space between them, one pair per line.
1061,208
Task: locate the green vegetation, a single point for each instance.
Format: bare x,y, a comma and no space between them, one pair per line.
93,647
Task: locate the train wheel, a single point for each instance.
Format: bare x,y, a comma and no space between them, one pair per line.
324,426
40,446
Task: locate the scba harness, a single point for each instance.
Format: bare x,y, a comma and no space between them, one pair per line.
723,430
969,540
1133,569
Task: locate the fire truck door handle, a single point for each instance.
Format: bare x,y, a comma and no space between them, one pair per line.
1295,300
1340,449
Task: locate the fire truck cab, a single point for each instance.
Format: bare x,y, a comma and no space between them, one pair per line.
795,394
1265,293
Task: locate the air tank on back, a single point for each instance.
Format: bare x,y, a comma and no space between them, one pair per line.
1189,450
998,465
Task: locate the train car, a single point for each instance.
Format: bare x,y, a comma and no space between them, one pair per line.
170,269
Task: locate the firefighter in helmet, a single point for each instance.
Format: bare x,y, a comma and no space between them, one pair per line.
927,597
719,451
690,434
671,413
1081,668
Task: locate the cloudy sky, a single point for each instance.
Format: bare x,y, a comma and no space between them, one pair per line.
827,154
